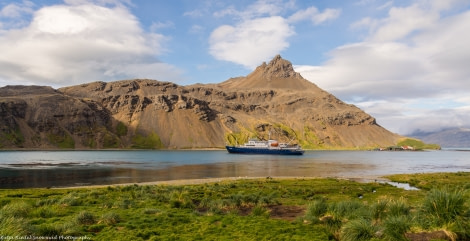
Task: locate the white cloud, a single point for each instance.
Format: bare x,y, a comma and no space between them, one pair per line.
411,57
81,42
196,29
404,21
385,5
313,14
11,15
260,31
250,42
155,26
260,8
195,13
100,2
16,10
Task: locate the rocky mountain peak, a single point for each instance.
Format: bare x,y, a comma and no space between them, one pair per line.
146,113
280,68
277,74
276,68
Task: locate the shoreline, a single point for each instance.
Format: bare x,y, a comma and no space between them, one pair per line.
199,181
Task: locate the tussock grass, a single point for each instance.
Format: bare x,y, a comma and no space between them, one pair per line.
443,206
398,208
111,218
19,209
13,226
395,228
86,218
316,210
358,230
241,210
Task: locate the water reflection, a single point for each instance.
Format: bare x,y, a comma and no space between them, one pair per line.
72,168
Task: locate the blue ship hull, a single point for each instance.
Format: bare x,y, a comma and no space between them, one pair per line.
244,150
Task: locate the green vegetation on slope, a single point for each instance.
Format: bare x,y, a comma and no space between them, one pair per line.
417,144
62,140
121,129
263,209
151,141
11,136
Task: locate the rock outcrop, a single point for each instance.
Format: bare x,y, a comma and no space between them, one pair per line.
272,100
41,117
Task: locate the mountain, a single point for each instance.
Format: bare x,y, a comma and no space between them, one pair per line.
453,138
273,101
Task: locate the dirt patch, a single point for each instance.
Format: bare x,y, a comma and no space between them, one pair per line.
289,213
286,212
428,236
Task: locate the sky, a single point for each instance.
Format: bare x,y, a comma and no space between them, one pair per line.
405,62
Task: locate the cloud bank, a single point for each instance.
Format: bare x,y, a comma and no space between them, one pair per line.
260,31
77,42
412,63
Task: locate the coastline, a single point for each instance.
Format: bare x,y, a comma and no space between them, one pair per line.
198,181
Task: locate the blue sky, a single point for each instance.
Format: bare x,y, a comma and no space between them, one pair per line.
404,62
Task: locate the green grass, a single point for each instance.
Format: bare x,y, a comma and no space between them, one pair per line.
62,140
428,181
418,144
12,136
240,210
151,141
121,129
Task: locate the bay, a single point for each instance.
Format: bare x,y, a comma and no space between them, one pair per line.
24,169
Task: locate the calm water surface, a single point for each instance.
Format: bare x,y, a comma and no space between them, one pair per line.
19,169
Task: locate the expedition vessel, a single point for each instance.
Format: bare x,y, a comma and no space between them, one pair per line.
254,146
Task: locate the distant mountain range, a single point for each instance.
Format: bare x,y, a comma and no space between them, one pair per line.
454,137
273,101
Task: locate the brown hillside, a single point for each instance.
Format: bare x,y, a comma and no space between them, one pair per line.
153,114
278,74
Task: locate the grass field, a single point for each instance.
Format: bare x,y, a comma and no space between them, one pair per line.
260,209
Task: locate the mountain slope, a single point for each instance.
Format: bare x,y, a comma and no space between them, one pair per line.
278,74
273,99
455,137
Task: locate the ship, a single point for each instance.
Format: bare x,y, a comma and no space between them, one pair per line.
272,147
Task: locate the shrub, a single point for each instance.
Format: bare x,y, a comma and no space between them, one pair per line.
259,210
70,199
357,230
315,210
217,206
45,212
268,198
85,218
16,209
378,209
395,228
236,199
443,206
14,226
346,209
48,230
180,199
398,208
125,204
151,211
110,218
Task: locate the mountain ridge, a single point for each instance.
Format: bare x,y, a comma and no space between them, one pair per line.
145,113
277,74
458,137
